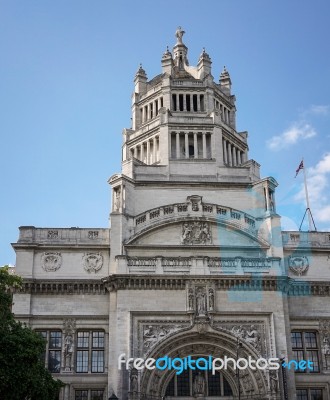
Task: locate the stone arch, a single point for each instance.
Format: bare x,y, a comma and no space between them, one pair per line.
153,383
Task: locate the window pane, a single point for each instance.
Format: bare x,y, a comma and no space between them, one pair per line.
83,339
316,394
302,394
313,356
97,360
183,384
298,355
98,339
213,383
97,394
226,388
54,360
310,340
82,361
55,340
81,395
170,388
296,340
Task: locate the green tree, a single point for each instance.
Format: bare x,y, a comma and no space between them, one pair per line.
23,375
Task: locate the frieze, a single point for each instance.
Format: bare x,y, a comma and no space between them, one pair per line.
298,265
51,262
154,333
92,262
62,287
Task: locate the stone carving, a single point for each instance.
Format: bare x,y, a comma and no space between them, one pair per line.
199,385
325,332
52,234
249,334
200,302
134,385
196,233
117,202
92,262
69,331
152,334
273,381
51,261
298,264
190,299
211,299
93,235
179,33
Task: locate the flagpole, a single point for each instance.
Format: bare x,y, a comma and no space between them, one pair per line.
307,200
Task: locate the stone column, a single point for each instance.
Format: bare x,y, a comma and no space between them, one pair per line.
178,145
230,160
142,152
198,103
234,157
224,145
184,102
154,150
195,146
239,157
148,151
186,144
204,145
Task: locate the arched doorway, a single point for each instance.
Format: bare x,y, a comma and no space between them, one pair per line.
221,385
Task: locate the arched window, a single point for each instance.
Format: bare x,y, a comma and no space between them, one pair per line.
182,385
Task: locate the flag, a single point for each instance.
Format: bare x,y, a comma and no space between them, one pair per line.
301,166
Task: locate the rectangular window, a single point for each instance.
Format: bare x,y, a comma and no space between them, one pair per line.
305,347
86,394
90,352
309,394
53,352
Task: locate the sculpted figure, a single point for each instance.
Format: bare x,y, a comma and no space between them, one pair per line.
179,33
200,302
199,384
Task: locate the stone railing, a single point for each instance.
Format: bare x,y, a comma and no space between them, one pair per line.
299,239
90,236
233,217
198,265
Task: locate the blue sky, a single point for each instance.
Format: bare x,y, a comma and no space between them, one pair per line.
66,77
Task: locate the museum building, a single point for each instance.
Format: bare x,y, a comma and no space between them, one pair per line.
194,264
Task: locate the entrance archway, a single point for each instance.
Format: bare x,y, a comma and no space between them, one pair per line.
159,384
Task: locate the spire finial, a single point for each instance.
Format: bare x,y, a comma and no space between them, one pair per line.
179,33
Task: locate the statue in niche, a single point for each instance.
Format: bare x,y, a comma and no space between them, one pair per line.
199,384
117,199
68,351
273,381
191,299
134,380
200,302
211,299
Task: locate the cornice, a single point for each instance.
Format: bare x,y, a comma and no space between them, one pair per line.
284,284
62,286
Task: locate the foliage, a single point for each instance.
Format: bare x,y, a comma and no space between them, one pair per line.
22,373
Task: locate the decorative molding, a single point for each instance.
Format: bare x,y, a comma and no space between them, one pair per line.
51,262
62,287
92,262
298,265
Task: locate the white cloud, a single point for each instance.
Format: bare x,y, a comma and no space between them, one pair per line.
298,131
318,110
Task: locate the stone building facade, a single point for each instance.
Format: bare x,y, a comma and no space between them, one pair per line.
195,262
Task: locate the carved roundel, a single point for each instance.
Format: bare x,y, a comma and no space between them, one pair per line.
51,261
92,262
298,264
